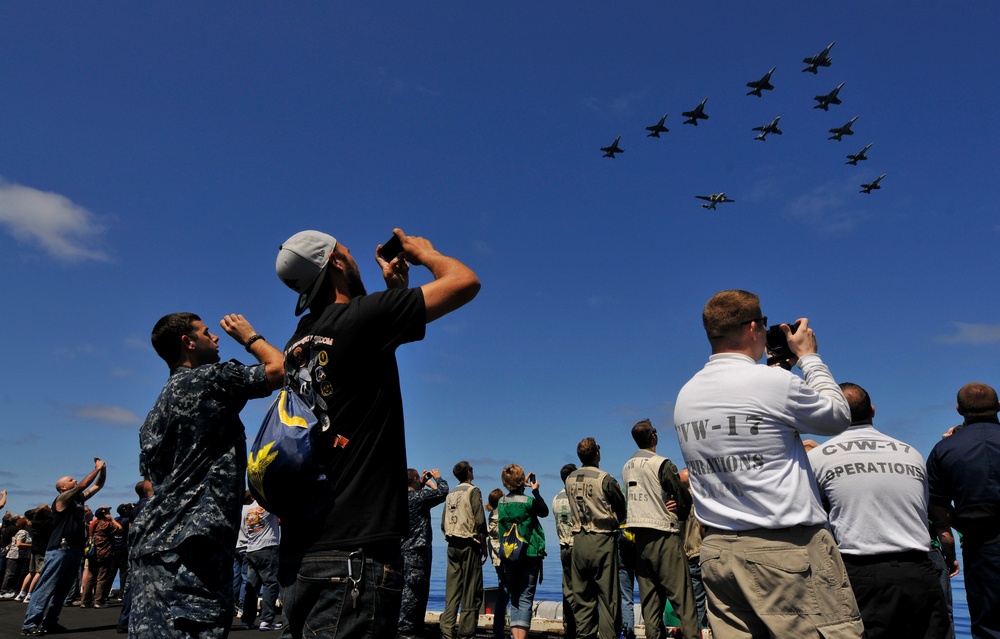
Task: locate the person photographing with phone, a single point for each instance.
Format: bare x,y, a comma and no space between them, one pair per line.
739,426
425,491
333,564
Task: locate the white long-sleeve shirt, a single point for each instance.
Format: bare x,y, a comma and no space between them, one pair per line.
739,427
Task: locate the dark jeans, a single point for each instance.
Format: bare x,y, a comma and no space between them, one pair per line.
944,578
317,594
982,587
263,572
416,590
500,605
698,587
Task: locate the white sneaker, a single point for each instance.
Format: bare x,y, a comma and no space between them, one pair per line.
27,598
20,596
7,595
264,626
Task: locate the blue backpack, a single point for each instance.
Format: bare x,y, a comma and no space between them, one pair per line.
285,473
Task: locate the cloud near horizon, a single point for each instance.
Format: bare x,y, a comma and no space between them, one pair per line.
108,415
61,228
966,333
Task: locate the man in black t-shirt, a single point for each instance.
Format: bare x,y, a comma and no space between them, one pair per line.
345,346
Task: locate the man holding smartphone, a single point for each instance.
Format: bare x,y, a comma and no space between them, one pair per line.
332,565
768,562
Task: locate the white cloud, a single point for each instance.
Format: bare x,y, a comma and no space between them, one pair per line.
824,207
972,334
108,415
61,228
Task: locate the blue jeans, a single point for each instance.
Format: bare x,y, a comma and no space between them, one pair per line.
500,605
317,593
263,572
240,568
522,578
59,571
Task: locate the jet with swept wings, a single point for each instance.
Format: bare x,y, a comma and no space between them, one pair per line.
823,59
658,128
764,84
854,158
841,131
697,114
609,151
768,128
872,186
830,98
715,198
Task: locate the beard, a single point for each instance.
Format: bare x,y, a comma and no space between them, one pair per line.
355,286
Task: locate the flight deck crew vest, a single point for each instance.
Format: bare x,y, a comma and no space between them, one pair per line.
457,521
647,500
590,507
564,518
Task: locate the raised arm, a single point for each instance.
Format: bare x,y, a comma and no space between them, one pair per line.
237,327
454,285
102,474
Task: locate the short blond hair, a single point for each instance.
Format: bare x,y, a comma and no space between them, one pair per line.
727,311
512,477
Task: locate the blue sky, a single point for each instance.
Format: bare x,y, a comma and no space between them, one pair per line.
153,157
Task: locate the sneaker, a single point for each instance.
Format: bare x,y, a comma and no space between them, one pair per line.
7,595
264,626
33,631
27,598
100,605
20,596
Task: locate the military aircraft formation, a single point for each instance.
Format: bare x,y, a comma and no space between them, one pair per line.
757,87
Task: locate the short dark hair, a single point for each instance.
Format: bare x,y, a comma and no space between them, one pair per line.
493,499
859,401
167,333
587,451
643,433
140,488
566,471
461,470
413,478
977,400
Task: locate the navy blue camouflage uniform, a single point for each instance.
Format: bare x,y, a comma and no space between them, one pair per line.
193,449
417,557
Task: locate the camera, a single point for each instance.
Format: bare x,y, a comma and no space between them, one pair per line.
777,344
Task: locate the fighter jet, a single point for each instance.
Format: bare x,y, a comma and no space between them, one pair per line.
697,114
857,157
841,131
830,98
821,60
609,151
764,84
768,128
715,198
872,186
657,128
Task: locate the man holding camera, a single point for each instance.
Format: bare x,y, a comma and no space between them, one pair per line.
768,563
425,491
333,565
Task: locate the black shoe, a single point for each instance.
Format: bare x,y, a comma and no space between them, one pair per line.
34,631
54,629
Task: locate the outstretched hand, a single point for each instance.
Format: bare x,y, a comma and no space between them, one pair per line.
237,327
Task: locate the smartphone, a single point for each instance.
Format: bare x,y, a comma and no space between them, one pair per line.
391,249
531,478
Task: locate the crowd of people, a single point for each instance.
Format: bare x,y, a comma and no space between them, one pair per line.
753,537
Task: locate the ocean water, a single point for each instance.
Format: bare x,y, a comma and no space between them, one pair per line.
551,587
